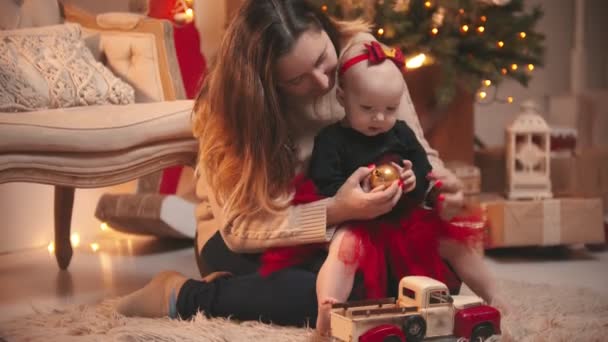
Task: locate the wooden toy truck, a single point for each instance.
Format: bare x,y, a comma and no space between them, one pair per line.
424,308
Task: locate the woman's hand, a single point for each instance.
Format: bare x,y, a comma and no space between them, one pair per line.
351,202
407,176
451,199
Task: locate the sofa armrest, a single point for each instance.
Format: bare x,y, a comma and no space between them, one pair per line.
140,50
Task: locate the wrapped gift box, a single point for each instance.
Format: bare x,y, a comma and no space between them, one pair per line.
573,111
491,162
544,222
563,141
473,206
599,101
468,174
584,174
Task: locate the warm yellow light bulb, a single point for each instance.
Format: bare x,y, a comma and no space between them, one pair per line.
95,246
465,28
500,43
530,67
503,71
324,8
461,11
75,240
487,83
513,67
380,31
434,31
51,247
522,35
510,99
484,18
480,29
427,4
104,226
482,94
416,61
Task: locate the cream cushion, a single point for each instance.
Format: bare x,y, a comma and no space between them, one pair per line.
50,67
112,168
97,145
103,128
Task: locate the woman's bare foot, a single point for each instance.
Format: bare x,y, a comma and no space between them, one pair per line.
324,315
157,299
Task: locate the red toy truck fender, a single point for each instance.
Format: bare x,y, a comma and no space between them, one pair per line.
383,333
477,321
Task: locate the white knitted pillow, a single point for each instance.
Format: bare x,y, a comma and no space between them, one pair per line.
50,67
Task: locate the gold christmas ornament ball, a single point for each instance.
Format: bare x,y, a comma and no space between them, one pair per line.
383,175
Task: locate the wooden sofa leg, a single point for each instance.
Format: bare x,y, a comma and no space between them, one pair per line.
64,201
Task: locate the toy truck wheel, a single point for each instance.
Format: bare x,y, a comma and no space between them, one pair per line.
414,328
482,333
383,333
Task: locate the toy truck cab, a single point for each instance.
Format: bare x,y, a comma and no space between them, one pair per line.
443,314
424,308
435,305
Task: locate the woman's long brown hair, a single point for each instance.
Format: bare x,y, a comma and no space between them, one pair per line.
245,147
246,150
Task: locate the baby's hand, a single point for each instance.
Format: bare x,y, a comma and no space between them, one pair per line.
408,178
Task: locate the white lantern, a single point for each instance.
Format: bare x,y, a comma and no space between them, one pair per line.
528,155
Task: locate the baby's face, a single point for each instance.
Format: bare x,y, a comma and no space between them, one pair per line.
371,98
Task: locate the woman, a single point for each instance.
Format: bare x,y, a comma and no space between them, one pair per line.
267,96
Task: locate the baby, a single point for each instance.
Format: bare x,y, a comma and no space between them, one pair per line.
371,88
407,241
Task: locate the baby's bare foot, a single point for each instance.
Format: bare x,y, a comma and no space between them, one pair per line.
324,316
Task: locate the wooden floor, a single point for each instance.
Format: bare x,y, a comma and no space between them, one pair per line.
30,279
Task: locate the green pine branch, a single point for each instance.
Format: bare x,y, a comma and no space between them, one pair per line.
465,57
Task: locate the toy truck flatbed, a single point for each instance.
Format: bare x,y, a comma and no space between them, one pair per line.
424,309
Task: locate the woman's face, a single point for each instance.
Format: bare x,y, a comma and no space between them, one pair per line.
309,69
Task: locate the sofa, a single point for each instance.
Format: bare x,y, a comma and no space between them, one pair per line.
87,143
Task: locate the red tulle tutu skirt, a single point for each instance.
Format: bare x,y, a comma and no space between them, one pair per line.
408,244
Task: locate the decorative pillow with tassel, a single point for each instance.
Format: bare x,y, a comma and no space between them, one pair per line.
50,67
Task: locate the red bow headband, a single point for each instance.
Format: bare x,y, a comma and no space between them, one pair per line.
376,55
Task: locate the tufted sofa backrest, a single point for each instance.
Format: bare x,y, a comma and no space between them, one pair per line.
136,49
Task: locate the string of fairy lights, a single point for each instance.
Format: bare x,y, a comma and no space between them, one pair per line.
76,241
487,92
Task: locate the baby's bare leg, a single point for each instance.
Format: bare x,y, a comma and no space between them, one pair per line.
337,275
470,267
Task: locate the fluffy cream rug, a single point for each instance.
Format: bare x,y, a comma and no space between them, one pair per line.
539,313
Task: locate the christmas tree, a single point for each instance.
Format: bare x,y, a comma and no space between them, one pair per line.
477,43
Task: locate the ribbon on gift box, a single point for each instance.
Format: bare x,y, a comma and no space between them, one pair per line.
552,223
